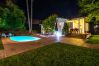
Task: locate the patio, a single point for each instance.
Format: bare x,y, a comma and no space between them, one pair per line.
13,48
78,42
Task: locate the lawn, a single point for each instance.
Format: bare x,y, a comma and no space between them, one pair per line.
57,54
94,39
1,45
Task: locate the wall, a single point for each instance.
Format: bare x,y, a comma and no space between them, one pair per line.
86,27
80,24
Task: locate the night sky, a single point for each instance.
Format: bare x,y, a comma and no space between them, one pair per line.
43,8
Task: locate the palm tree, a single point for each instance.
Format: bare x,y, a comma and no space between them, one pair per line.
31,13
9,3
29,24
29,21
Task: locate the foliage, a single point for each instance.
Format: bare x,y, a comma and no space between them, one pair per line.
90,8
11,17
49,23
94,39
3,16
56,54
65,30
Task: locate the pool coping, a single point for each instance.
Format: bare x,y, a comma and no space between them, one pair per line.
11,38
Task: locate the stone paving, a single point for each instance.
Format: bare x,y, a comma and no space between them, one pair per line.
13,48
73,41
78,42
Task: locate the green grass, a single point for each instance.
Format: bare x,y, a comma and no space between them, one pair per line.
1,45
94,39
57,54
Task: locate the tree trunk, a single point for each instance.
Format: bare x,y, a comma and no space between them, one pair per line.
28,16
31,13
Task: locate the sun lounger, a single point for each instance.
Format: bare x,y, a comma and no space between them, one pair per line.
3,35
10,34
6,35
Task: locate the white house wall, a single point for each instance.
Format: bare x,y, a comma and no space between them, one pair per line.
86,27
78,23
82,26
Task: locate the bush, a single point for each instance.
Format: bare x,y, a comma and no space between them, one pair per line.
94,39
49,24
65,30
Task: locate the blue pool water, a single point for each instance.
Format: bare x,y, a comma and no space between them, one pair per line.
23,38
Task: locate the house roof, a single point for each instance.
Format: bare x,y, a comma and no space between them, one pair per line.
36,21
61,19
75,18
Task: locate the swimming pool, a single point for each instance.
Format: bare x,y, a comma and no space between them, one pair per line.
23,38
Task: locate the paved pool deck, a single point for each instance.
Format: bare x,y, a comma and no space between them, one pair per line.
13,48
78,42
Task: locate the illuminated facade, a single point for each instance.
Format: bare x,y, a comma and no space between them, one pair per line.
75,23
78,23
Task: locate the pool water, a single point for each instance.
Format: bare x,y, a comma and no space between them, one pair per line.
23,38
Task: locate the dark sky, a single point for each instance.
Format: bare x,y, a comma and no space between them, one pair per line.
44,8
63,8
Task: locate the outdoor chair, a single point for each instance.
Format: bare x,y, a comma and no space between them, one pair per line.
10,34
3,35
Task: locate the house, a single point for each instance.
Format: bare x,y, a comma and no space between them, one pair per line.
78,23
35,25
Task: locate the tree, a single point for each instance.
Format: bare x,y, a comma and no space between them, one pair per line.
16,18
12,17
90,8
28,14
31,13
49,23
65,30
3,16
